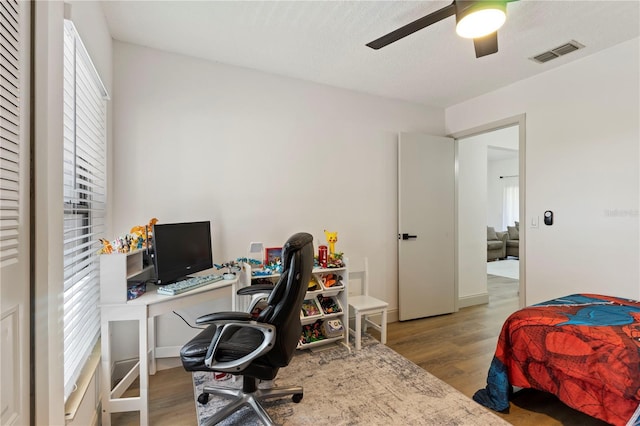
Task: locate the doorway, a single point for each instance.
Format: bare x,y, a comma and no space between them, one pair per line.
490,195
503,213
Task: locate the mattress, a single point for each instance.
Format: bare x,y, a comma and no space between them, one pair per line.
583,348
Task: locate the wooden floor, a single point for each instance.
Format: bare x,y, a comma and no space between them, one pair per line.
456,348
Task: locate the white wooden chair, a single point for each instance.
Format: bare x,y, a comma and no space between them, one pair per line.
363,306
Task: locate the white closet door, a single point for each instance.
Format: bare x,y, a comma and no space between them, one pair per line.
14,212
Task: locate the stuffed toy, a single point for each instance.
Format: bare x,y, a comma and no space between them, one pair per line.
332,239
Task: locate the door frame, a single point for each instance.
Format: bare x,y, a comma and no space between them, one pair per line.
520,121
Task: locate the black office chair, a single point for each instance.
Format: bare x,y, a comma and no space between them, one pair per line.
255,348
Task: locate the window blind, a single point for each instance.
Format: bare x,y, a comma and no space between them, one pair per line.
84,180
9,131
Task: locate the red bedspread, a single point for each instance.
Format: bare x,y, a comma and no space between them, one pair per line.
583,348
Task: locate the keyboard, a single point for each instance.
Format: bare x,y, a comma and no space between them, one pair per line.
188,284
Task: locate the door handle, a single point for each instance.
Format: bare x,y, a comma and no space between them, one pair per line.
406,236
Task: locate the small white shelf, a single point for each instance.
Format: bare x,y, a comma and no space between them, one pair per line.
338,292
114,266
313,294
319,342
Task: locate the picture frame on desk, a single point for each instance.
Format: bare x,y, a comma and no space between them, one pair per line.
272,255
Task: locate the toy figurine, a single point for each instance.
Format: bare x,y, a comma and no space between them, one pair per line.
137,239
335,260
137,231
312,332
332,239
107,248
140,233
252,262
309,308
136,242
313,284
152,222
232,268
329,280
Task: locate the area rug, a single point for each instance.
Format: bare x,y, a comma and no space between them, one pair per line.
509,268
375,386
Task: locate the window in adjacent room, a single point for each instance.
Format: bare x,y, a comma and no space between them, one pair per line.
510,202
85,115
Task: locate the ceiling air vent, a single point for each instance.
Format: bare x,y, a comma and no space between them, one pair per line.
569,47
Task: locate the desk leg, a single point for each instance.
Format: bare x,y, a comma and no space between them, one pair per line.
152,345
105,375
234,293
144,370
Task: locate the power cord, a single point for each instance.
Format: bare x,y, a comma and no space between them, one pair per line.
187,322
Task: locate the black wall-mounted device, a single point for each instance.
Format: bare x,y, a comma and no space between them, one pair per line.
548,217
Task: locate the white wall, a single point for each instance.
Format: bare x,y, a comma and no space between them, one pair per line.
582,162
90,23
262,156
472,221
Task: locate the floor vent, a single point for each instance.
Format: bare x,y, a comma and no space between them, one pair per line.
547,56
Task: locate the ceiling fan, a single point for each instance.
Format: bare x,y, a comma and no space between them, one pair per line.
476,19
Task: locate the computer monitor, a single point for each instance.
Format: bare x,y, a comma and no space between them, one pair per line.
180,249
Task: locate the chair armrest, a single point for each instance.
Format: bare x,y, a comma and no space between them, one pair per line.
503,236
255,289
269,336
222,317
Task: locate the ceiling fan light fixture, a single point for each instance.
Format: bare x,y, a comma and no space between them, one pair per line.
480,18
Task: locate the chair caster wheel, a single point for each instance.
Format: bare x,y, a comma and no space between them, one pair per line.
296,397
203,398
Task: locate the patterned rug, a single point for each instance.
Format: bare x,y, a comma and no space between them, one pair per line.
375,386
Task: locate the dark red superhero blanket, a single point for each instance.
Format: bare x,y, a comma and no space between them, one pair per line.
583,348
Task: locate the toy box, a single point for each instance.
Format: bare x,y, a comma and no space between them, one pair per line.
310,309
136,290
329,304
333,328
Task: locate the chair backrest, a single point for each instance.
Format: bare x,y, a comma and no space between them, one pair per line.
361,275
285,301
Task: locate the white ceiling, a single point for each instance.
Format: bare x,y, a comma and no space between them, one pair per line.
324,41
499,154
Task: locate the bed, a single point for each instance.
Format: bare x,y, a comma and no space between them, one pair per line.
583,348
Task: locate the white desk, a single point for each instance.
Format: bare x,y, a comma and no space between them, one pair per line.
144,309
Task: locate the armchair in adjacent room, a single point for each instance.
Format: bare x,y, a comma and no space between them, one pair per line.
496,244
255,348
513,240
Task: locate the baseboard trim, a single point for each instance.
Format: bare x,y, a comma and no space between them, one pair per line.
166,363
392,315
476,299
167,352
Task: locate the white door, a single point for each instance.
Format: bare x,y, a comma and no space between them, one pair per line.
14,214
426,238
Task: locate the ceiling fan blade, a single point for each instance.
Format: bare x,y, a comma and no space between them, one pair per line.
414,26
486,45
